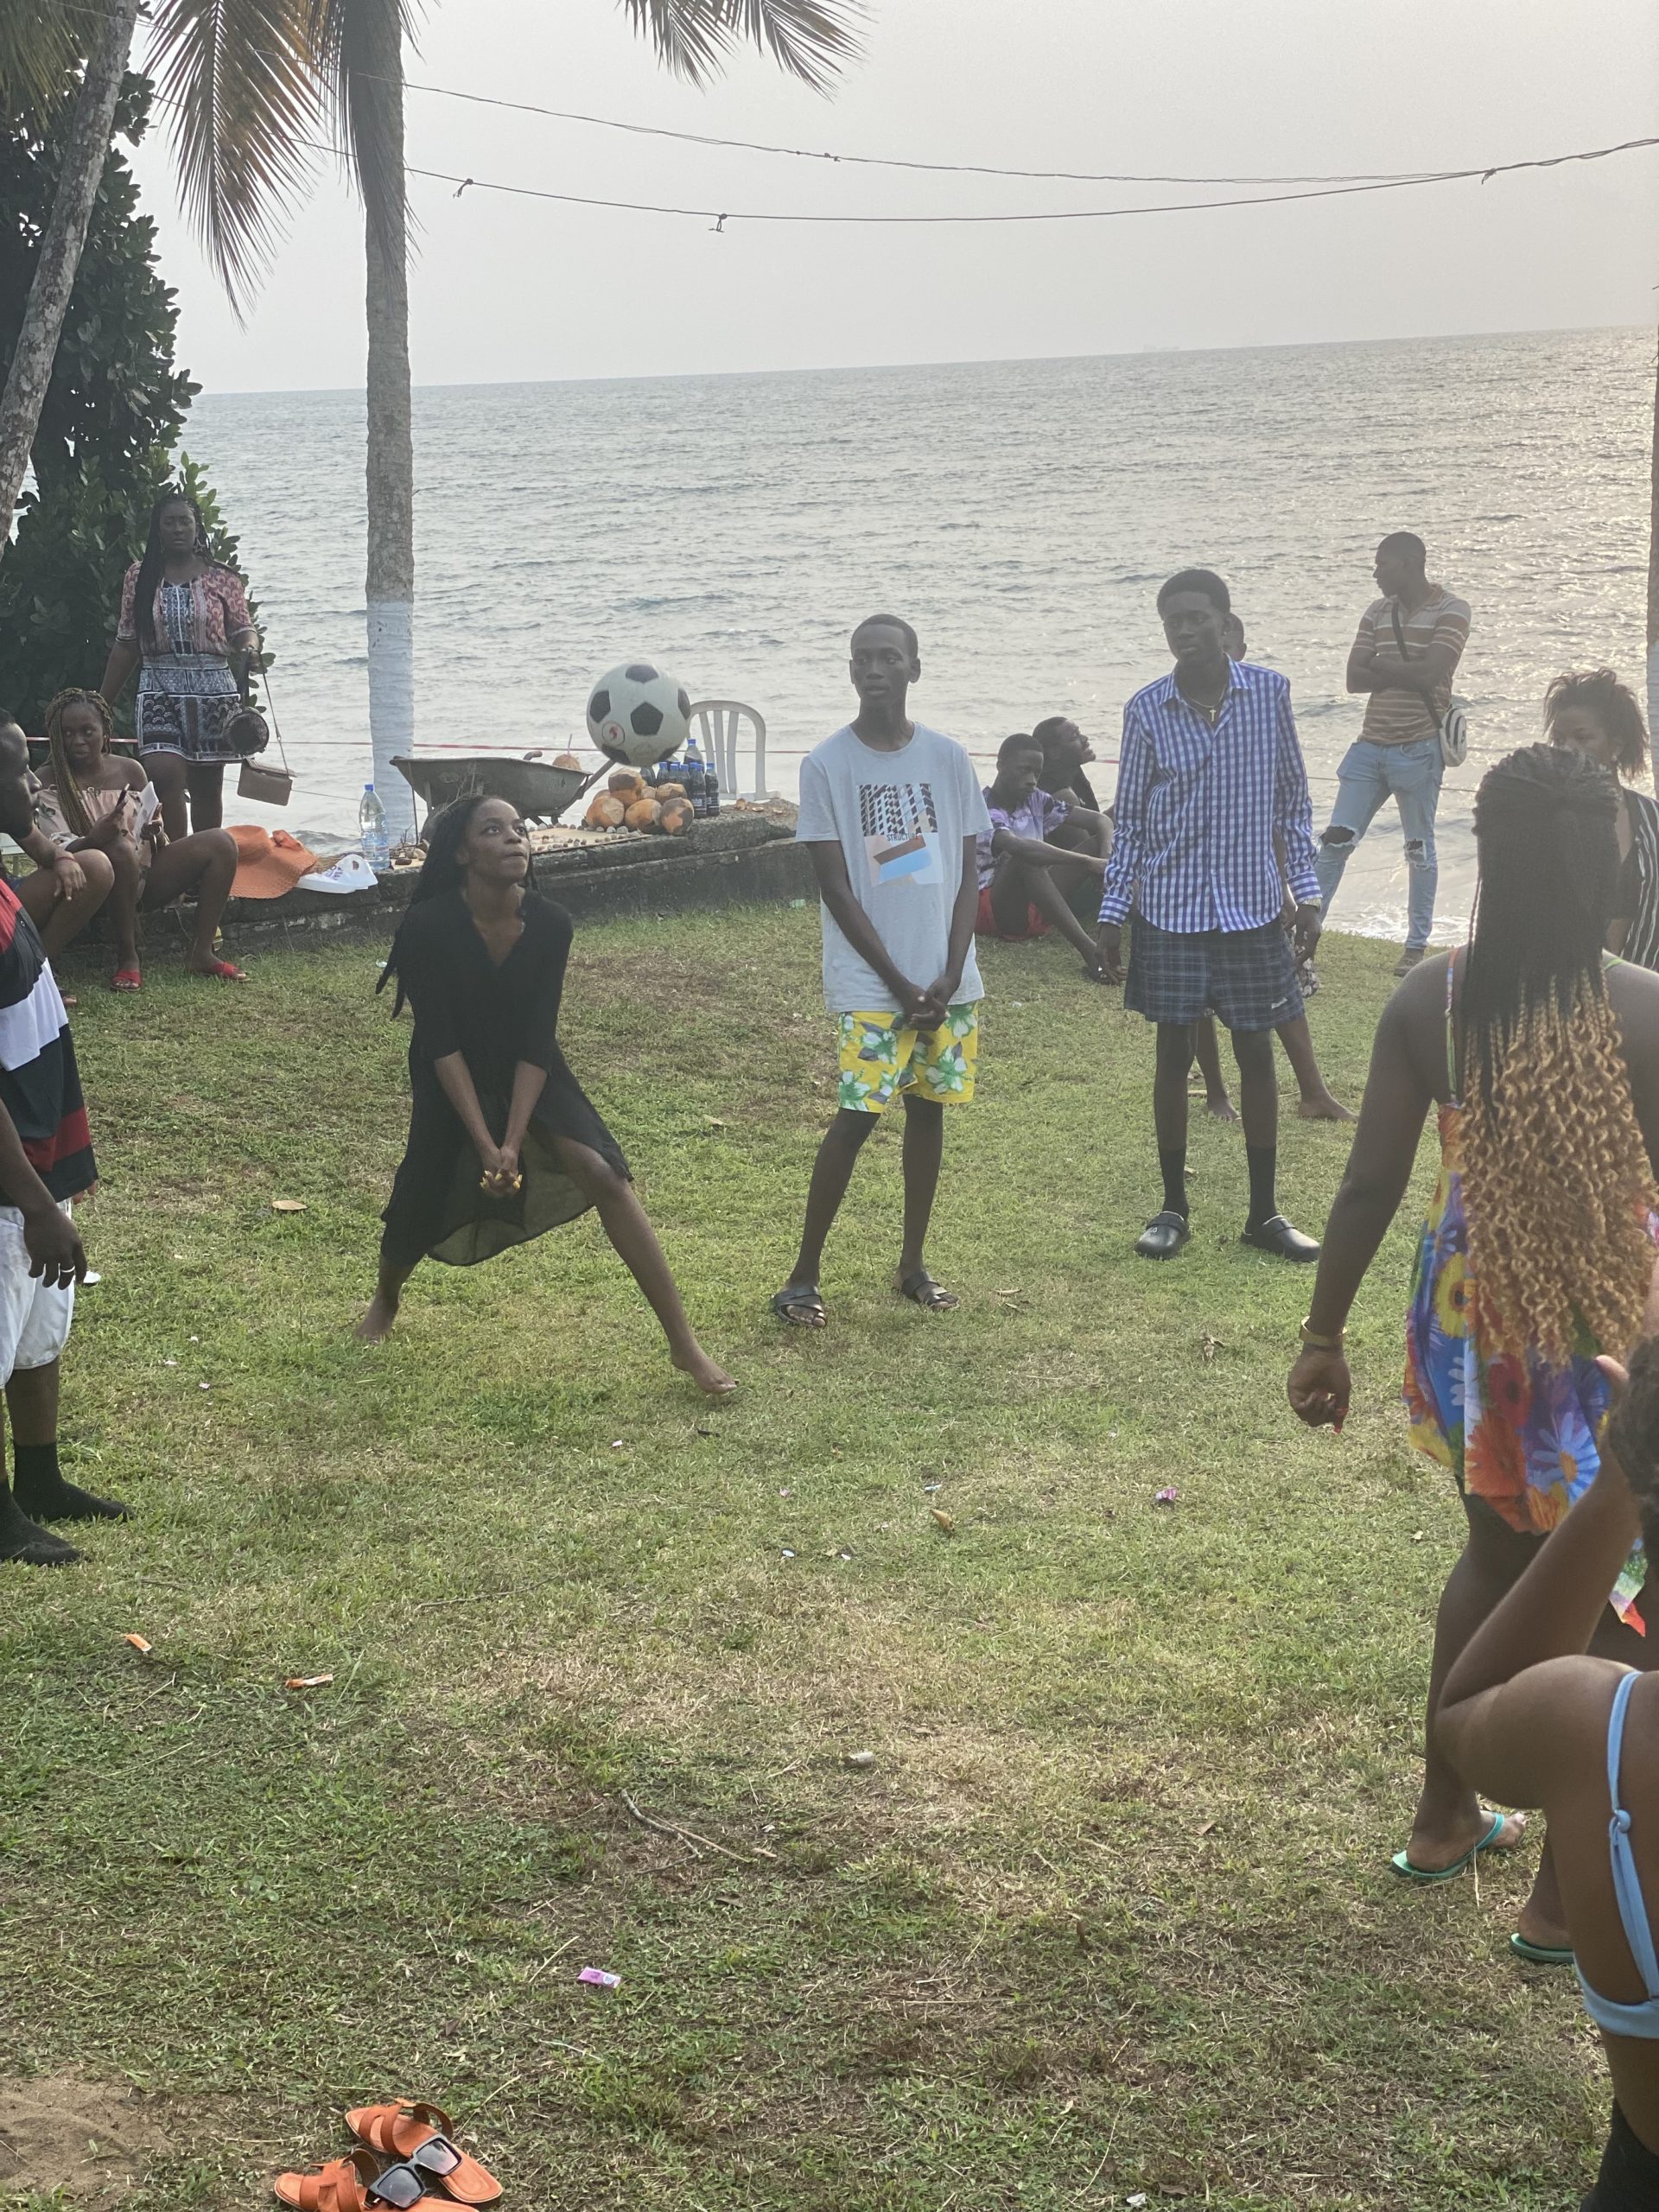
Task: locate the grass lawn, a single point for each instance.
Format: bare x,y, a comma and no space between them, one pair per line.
1109,1910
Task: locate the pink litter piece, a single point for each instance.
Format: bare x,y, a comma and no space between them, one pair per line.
1166,1497
597,1977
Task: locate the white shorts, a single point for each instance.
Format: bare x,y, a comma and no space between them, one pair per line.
34,1320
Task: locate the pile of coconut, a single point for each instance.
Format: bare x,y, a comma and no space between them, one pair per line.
628,804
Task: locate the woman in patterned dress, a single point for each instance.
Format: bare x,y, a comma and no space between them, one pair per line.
185,624
1542,1054
1598,715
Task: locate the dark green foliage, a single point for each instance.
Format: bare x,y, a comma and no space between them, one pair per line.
113,413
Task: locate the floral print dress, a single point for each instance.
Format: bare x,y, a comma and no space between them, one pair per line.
1515,1429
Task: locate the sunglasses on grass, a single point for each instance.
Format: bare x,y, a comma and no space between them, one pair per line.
404,2183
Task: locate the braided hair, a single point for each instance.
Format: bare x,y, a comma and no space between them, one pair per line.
1556,1180
71,802
441,870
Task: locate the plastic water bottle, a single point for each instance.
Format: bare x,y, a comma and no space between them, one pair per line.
371,830
693,783
711,789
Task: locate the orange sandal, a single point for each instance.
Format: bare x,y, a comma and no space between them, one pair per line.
126,979
355,2184
424,2134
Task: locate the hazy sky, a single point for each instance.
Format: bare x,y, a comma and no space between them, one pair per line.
511,289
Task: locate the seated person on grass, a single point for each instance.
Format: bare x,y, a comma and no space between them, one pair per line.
92,802
1019,859
66,889
1066,752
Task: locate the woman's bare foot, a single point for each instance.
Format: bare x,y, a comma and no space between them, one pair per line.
714,1381
1322,1107
1431,1850
376,1326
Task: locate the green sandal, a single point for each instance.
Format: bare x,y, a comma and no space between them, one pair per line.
1402,1866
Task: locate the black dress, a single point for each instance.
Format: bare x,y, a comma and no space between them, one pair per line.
495,1018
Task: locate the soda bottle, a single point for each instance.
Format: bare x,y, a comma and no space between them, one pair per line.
693,778
711,790
371,830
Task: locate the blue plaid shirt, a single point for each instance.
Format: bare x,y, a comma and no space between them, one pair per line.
1197,808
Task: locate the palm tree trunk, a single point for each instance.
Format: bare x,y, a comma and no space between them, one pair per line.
83,156
390,451
1653,565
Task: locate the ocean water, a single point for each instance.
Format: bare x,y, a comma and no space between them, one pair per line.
1020,513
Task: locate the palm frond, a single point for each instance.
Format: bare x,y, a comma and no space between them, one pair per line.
813,40
356,45
39,49
245,105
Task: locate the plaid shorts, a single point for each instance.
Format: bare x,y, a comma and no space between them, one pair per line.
1248,976
882,1057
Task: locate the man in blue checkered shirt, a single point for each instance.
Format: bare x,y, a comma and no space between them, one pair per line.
1210,793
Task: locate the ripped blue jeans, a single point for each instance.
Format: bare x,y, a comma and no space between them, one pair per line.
1370,775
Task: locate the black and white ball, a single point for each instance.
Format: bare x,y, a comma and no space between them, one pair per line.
638,714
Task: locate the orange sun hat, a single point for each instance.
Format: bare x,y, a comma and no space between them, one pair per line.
269,862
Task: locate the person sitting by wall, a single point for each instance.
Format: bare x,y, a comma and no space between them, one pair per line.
66,889
1021,862
94,805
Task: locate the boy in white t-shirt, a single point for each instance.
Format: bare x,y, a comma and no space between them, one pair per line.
891,812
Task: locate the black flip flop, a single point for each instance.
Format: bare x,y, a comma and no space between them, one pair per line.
791,1302
915,1287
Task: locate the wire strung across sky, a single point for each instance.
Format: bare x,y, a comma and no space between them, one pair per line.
721,216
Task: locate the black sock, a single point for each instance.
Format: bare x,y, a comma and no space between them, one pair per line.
1263,1160
1173,1165
21,1539
43,1493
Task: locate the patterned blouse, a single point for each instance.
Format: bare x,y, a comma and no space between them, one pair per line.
220,621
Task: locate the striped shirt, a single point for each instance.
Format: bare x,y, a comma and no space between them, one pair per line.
1197,808
1403,717
40,1084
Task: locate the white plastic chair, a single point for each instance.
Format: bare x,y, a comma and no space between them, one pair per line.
715,724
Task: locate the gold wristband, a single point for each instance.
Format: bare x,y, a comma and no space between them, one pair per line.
1315,1342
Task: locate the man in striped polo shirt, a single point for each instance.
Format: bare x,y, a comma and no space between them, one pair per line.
1409,644
1210,774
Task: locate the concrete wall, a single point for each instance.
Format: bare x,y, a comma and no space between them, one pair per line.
737,858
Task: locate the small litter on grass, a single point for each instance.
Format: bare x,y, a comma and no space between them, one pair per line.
1209,1348
714,1121
786,1493
843,1555
140,1644
1166,1497
204,1386
1206,1829
788,1554
946,1521
1137,2199
616,1444
287,1206
861,1759
931,1487
308,1681
796,904
596,1978
1416,1535
169,1363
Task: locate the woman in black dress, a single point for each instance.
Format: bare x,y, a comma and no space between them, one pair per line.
502,1143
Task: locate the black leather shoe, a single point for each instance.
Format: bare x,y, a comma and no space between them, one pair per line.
1163,1235
1276,1236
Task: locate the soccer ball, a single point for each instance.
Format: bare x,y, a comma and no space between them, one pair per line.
638,714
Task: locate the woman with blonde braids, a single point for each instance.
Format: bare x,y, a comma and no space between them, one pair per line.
1542,1053
92,802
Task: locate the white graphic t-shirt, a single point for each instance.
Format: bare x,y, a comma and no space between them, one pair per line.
899,818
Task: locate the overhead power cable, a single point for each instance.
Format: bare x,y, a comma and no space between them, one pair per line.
721,216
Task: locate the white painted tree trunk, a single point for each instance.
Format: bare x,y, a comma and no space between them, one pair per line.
30,371
1653,565
390,578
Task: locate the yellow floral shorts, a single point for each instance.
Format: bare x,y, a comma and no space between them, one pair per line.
882,1056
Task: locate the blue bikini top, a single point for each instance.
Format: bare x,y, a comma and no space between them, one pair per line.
1640,2019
